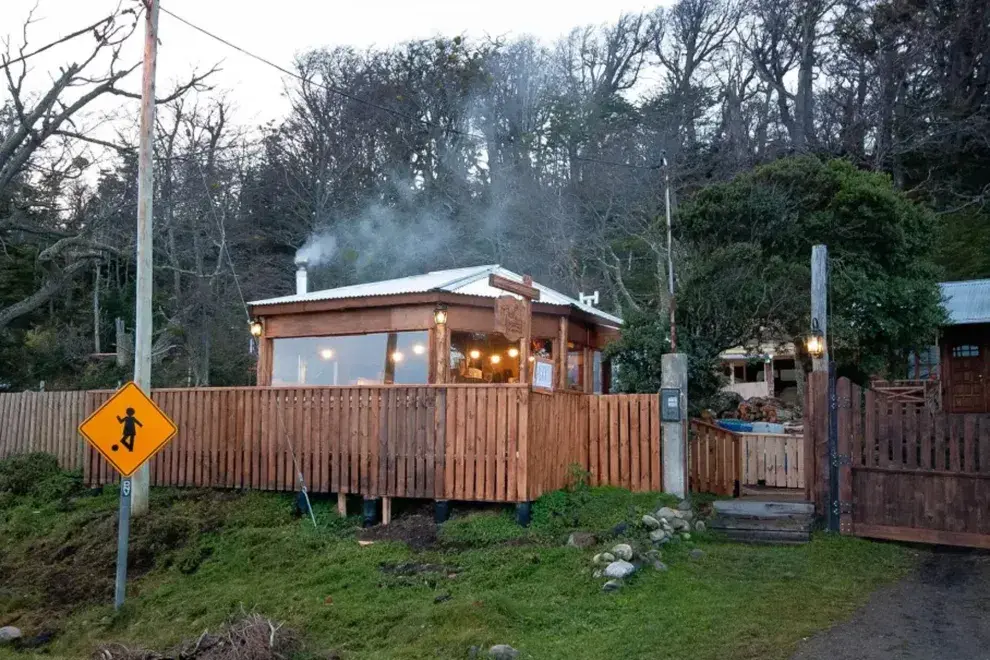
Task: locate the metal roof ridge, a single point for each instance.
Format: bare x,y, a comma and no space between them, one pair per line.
456,283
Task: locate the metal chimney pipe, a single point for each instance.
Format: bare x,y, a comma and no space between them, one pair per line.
302,278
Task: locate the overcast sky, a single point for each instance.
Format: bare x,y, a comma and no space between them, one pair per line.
279,29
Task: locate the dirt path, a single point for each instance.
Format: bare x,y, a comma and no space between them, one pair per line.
941,611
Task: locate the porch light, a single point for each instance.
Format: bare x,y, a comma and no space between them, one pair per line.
440,314
815,343
326,353
397,356
513,352
256,328
419,349
496,358
474,354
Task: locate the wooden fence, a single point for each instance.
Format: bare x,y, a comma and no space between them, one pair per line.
906,473
498,443
772,459
43,422
714,459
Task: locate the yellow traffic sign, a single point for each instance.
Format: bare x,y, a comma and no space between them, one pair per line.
128,429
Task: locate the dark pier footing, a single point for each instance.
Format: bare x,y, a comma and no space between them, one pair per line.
524,513
370,512
441,511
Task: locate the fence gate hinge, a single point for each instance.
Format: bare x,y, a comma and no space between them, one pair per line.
845,507
845,402
844,459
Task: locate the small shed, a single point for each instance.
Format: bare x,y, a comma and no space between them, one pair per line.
483,324
965,347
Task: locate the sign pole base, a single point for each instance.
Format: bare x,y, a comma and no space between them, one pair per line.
123,534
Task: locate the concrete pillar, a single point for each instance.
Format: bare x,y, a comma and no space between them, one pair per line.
675,449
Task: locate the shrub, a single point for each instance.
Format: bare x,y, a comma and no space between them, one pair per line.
25,474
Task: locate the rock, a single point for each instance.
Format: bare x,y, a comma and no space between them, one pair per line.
697,554
659,566
620,529
619,569
597,574
687,515
686,536
442,598
658,535
699,526
603,558
666,513
503,652
581,540
651,522
652,555
8,634
677,524
623,551
683,505
612,585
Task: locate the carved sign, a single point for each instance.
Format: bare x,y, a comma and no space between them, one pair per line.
510,317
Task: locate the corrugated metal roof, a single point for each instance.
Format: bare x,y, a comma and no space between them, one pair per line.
466,281
967,302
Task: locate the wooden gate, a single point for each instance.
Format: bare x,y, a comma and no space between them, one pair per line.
906,473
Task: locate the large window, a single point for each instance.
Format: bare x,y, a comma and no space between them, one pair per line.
387,357
477,357
575,368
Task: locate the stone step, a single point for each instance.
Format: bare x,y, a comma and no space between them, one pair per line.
755,509
766,537
780,523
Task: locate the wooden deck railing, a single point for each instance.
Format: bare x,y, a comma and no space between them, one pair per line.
498,443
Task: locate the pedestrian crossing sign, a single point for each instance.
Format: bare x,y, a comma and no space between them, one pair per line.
128,429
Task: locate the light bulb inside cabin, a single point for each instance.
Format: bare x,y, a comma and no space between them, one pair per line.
419,349
496,358
397,356
513,352
474,354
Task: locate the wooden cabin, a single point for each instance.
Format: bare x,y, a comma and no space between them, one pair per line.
483,324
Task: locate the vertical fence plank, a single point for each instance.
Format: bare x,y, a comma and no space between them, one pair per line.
969,444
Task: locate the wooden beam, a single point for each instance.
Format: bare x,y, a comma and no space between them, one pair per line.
527,337
920,535
562,357
518,288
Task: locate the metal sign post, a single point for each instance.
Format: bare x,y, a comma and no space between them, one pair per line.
123,537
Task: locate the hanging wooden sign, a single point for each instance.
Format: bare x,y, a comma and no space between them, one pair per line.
510,317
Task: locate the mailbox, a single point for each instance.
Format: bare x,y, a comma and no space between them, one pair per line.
670,404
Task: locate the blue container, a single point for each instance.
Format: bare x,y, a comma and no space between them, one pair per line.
735,425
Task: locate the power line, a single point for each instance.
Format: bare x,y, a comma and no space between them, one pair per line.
329,88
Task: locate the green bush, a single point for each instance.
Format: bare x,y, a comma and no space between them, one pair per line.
28,474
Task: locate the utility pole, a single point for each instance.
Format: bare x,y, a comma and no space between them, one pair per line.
670,257
145,274
819,301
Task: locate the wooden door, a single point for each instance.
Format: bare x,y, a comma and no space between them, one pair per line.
967,388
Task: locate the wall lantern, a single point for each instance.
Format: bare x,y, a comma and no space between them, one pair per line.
256,328
440,314
815,343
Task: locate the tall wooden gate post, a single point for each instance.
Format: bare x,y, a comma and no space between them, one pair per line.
833,452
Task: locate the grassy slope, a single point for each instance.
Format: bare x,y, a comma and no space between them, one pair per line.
538,596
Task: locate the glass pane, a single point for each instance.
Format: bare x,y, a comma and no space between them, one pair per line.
575,369
596,369
400,357
477,357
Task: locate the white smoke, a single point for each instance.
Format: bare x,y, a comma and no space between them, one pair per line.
318,249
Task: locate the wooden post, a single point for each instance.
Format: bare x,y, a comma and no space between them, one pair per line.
342,504
562,364
440,348
263,370
819,300
768,376
527,338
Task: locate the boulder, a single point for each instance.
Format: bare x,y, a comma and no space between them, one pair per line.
683,505
603,558
666,513
581,540
503,652
619,569
612,585
8,634
658,535
651,522
699,526
651,555
678,524
687,515
623,551
659,566
696,554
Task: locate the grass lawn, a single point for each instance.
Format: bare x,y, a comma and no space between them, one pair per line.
203,557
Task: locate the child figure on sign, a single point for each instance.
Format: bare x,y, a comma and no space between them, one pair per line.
129,420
